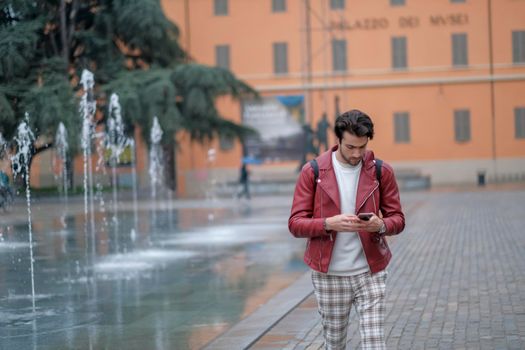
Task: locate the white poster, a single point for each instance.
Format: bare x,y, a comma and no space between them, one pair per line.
278,121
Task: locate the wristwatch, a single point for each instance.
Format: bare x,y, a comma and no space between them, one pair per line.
383,228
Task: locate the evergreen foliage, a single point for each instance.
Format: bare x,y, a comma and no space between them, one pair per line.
132,49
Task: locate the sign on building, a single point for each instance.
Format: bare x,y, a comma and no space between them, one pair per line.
278,120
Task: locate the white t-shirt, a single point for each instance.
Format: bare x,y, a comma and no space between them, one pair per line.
348,258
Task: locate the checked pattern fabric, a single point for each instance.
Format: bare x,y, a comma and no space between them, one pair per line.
335,297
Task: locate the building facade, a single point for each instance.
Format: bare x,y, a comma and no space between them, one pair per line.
443,80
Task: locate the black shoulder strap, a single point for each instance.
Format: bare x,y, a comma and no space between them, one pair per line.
379,164
315,167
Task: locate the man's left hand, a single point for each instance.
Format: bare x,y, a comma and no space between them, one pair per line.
373,225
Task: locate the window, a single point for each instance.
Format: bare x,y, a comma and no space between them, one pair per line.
280,58
337,4
401,127
221,7
397,2
222,56
459,49
518,46
519,122
339,55
278,5
226,143
399,52
462,125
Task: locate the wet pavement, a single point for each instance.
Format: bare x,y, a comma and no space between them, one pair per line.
184,274
229,275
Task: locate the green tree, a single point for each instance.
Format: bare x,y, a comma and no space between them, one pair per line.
132,49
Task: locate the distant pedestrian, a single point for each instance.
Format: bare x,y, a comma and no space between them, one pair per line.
345,203
322,133
308,145
6,192
4,179
244,181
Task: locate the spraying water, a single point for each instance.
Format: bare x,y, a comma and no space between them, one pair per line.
20,163
62,147
87,110
135,184
117,142
156,169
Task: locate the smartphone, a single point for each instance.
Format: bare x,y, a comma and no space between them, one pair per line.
365,216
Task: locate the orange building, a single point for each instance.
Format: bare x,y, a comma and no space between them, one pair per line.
443,80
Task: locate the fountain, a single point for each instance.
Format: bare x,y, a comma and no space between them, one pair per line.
20,163
156,169
135,190
62,147
116,142
93,295
87,110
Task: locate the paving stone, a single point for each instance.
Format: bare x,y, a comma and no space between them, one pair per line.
457,279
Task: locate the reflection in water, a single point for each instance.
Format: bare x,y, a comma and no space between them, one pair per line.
173,284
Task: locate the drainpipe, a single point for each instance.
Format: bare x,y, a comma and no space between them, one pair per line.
187,26
309,109
492,98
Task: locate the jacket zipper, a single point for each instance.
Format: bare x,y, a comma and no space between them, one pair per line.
321,200
364,200
357,211
321,214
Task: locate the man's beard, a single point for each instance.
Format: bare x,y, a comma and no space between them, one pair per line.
351,161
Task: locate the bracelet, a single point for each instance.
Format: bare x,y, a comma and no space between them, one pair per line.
324,225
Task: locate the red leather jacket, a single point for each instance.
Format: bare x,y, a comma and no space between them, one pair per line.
308,213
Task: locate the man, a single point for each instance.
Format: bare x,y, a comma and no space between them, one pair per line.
348,255
322,127
244,180
6,192
308,145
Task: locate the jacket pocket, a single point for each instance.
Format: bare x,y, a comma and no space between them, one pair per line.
314,250
384,245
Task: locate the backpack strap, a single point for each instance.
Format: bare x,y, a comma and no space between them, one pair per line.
379,164
315,167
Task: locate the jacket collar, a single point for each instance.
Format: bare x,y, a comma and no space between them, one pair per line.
325,159
328,181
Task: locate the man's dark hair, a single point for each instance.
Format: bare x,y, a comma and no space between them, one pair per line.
356,123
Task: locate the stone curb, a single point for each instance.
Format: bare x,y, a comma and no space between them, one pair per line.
248,331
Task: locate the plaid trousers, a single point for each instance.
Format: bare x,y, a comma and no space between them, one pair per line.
335,296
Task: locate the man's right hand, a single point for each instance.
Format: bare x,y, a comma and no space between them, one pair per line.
344,223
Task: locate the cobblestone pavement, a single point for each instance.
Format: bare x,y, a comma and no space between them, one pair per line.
457,279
